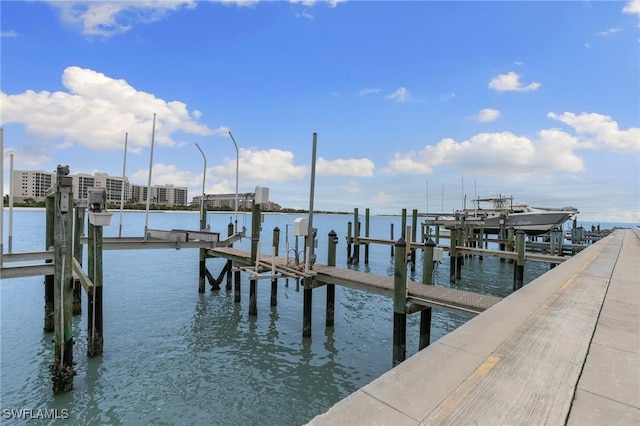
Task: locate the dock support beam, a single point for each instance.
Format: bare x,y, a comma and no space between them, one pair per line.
236,286
366,234
399,303
306,308
62,370
230,231
274,281
202,270
95,341
453,255
48,279
518,271
414,229
77,254
427,278
331,288
253,297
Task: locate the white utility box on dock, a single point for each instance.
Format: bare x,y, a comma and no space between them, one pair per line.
262,195
100,218
301,227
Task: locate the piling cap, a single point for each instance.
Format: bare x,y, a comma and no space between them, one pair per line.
332,233
401,242
430,243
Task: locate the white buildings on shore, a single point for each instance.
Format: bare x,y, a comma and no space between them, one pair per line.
34,185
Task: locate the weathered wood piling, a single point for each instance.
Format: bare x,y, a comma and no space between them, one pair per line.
62,370
400,303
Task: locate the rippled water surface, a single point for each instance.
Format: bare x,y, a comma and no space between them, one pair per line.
174,356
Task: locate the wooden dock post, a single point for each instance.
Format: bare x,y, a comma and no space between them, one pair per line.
414,228
62,370
427,278
256,216
356,240
236,286
391,240
510,241
95,340
399,303
202,270
453,254
518,272
230,231
48,279
274,281
77,254
366,234
502,235
331,288
460,259
349,241
403,226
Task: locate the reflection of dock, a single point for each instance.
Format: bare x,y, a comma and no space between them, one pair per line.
418,293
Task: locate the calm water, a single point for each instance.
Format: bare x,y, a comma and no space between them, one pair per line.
174,356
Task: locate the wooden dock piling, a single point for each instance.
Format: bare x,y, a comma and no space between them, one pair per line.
62,370
427,279
95,340
366,234
230,231
414,229
202,270
331,288
400,303
518,271
48,279
274,281
77,254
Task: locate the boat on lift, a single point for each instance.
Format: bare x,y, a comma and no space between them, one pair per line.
532,220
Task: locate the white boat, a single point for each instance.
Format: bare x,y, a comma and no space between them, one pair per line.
532,220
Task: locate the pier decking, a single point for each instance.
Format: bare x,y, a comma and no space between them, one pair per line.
564,349
418,293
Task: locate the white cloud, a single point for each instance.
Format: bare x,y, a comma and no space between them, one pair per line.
511,82
633,7
487,115
496,154
106,19
261,166
609,32
381,197
8,34
601,131
369,91
167,174
351,187
97,110
400,95
340,167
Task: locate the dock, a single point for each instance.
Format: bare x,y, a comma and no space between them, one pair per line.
564,349
417,293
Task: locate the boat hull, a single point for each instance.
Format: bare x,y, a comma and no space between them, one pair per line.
533,223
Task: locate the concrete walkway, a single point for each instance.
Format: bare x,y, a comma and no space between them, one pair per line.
565,349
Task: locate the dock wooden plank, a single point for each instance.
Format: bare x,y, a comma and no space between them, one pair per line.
427,295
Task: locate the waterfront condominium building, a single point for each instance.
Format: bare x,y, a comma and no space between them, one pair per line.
34,185
31,185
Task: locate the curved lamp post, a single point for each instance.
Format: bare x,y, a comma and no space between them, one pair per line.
203,218
237,163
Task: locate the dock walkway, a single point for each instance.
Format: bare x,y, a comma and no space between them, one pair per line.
418,293
564,349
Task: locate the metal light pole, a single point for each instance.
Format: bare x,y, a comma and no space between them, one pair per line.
203,217
124,171
146,218
237,168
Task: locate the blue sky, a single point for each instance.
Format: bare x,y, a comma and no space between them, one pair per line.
539,100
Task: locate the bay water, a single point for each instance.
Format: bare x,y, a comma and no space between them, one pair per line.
174,356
